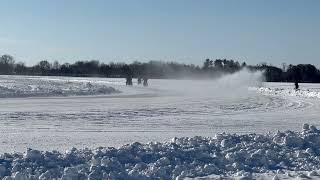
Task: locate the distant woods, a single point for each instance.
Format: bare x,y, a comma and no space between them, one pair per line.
159,69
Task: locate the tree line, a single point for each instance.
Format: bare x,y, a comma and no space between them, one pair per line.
159,69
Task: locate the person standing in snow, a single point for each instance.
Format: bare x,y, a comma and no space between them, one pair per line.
296,84
129,81
145,81
139,80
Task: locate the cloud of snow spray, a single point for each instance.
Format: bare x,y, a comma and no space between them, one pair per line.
238,83
230,85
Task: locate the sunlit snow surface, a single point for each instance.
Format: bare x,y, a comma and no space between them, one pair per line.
308,91
19,86
47,120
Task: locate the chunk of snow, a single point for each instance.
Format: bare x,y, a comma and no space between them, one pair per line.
222,155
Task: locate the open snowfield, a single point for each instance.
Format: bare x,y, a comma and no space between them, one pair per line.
58,113
165,109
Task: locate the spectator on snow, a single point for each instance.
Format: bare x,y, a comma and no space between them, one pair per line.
145,81
129,81
296,84
139,80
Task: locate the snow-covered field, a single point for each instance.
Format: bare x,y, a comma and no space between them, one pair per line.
165,109
18,86
58,113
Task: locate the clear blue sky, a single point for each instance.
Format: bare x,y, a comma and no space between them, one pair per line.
189,31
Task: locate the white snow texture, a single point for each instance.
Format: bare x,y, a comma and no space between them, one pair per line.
220,156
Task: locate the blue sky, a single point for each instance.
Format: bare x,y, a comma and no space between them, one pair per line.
188,31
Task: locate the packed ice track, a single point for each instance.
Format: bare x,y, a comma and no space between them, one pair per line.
55,114
41,119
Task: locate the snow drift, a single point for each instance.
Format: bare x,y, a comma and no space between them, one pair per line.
304,93
22,86
222,155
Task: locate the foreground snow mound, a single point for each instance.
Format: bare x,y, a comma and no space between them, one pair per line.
223,155
16,86
275,175
306,93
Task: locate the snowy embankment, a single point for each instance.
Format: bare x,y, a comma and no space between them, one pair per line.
23,86
223,155
305,93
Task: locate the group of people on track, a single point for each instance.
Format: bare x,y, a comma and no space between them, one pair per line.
140,79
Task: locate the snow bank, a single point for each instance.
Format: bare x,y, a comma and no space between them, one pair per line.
21,86
222,155
307,93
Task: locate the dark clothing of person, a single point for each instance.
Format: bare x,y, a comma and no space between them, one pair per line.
296,84
145,82
129,81
139,80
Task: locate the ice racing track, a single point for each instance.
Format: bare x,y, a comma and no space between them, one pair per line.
166,109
